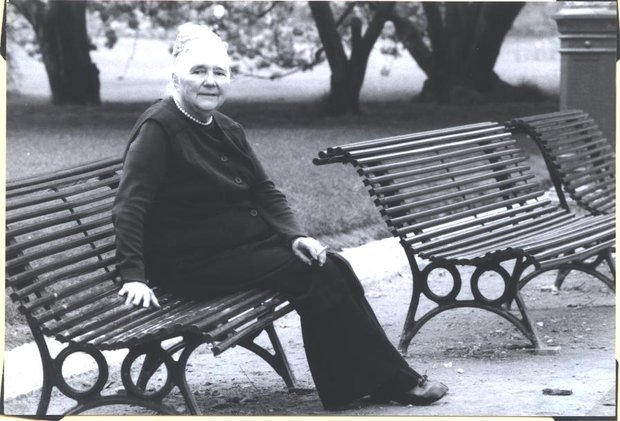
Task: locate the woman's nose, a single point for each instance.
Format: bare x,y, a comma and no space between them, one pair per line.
209,79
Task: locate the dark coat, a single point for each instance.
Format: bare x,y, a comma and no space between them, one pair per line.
195,205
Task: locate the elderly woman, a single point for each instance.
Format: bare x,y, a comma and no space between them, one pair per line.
196,214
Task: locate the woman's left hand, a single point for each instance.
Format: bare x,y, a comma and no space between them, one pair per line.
308,250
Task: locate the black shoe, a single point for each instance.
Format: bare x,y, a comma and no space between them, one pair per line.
424,393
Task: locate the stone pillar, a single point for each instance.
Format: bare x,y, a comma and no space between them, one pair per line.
588,32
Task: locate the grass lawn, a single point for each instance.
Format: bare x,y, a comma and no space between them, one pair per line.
328,199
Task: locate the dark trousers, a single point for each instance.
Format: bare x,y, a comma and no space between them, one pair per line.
348,353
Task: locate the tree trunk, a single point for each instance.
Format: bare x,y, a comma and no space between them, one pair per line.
348,74
494,23
465,41
60,28
344,91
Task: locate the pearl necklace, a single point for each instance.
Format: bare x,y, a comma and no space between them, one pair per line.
191,117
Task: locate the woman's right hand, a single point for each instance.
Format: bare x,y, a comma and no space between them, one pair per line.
139,292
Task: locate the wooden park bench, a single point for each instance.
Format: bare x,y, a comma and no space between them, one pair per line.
464,196
61,270
579,158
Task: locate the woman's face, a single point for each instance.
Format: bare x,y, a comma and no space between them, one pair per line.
202,77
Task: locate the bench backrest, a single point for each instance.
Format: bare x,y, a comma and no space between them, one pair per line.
60,252
61,270
578,155
454,182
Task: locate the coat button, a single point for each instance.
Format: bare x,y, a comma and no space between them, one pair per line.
254,212
238,180
224,158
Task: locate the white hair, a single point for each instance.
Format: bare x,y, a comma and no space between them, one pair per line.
192,36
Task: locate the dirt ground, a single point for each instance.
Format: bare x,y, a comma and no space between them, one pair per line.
477,354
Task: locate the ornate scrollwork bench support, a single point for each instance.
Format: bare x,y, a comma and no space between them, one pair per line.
450,300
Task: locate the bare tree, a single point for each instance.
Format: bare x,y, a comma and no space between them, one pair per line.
347,73
60,30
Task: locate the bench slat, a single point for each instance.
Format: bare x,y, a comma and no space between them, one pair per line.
471,212
48,237
59,312
447,165
124,317
58,207
435,149
401,138
64,193
252,329
87,311
59,248
420,215
569,138
473,230
532,210
70,290
53,183
581,255
531,237
575,231
374,169
577,175
575,126
386,200
578,162
21,278
59,220
356,154
209,319
553,116
452,174
582,242
570,148
457,193
225,329
502,240
108,336
41,285
549,233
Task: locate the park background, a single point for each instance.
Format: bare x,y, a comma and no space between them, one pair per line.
286,119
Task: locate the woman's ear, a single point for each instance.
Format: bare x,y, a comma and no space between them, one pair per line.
175,81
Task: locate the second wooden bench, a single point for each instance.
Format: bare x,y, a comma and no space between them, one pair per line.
465,196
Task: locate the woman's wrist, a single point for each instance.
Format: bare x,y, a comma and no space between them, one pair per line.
293,242
142,281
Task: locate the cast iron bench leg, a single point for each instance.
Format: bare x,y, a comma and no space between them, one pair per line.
277,360
450,301
121,400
